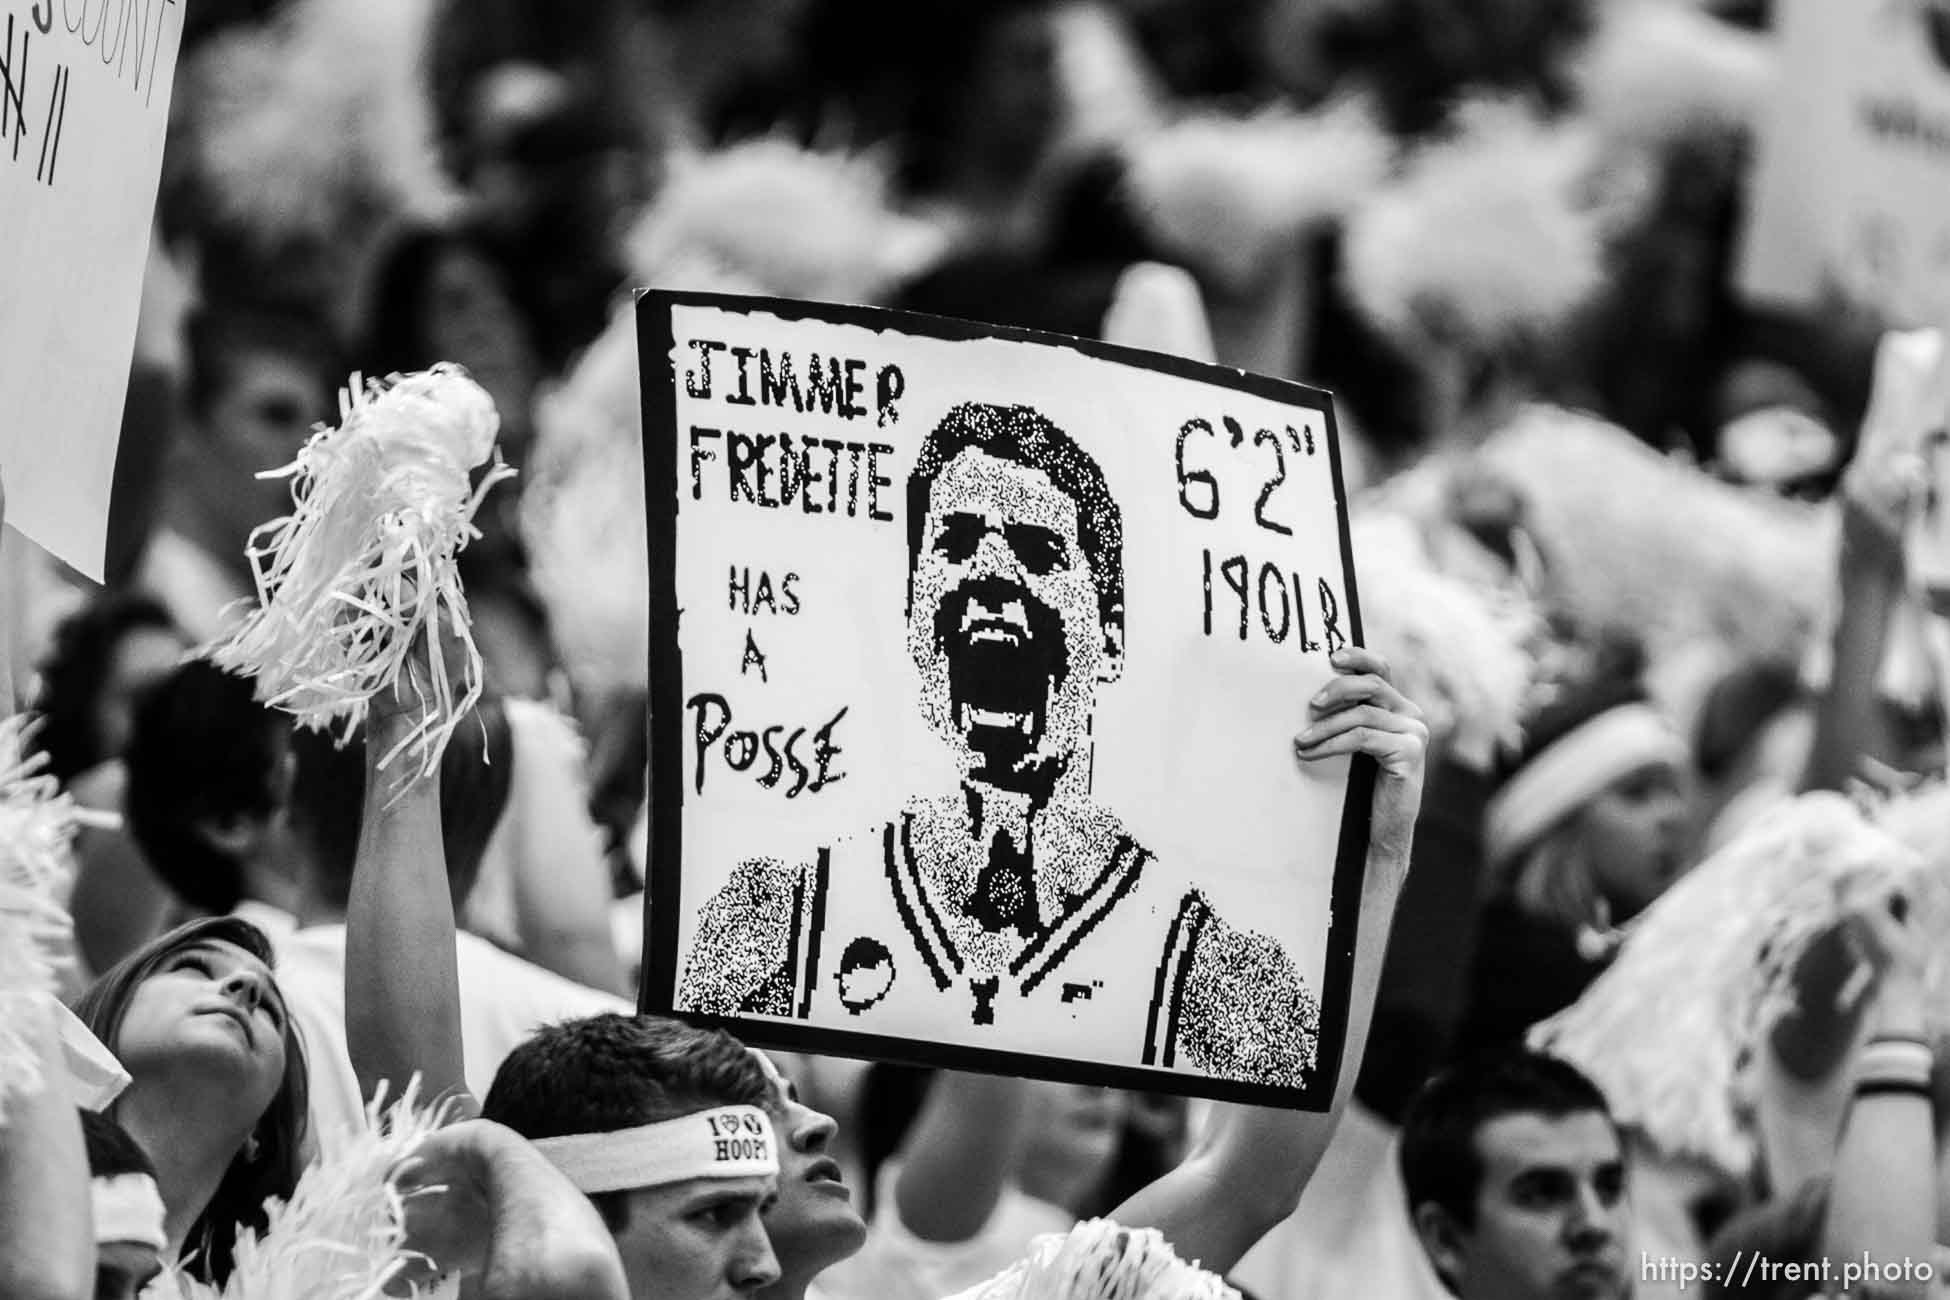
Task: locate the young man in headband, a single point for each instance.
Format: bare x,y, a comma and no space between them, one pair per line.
665,1129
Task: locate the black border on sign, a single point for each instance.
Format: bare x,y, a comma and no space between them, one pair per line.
663,895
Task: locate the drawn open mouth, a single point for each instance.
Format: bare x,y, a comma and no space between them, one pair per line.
995,631
968,717
1006,655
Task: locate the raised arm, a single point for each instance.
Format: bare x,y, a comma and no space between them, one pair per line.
1249,1169
402,985
1882,1202
959,1155
1849,724
1878,495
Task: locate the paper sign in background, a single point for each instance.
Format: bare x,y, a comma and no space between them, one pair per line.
84,100
1851,194
795,621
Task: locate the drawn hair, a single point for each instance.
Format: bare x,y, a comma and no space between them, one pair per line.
1024,436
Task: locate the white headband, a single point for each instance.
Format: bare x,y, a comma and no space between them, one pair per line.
1571,770
128,1208
724,1142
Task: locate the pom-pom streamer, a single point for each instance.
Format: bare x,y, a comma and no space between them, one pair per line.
36,829
1098,1260
365,567
342,1235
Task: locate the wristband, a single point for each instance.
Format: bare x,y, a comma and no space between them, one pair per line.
1895,1060
1894,1088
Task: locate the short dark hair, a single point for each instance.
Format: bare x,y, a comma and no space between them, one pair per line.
1440,1161
201,747
328,789
75,669
111,1151
1025,436
610,1072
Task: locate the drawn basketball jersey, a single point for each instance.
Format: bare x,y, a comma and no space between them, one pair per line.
1134,968
884,958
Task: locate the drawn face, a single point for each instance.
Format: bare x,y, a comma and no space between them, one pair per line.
1005,625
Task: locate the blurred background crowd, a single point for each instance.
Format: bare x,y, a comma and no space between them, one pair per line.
1586,471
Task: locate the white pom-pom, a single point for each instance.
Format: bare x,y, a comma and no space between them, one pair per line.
1098,1260
1660,70
1669,1031
582,517
37,825
342,1234
1460,649
1638,545
1486,238
317,122
367,564
769,217
1227,194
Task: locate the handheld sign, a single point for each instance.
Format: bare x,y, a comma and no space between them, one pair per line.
84,101
1851,189
976,661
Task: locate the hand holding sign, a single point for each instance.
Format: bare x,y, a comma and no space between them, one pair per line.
1361,712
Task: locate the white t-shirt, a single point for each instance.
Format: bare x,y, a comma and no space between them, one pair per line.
897,1265
503,1000
191,584
545,832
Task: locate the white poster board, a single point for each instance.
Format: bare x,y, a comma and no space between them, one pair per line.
84,100
1851,197
976,662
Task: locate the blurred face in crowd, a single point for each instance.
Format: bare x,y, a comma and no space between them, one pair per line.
1073,1137
813,1223
1633,837
210,1011
698,1240
1552,1218
257,421
471,318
